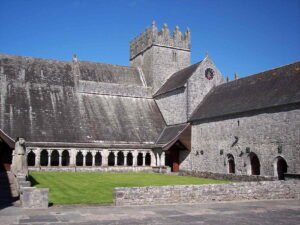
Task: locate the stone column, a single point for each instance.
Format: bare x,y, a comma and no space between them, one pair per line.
84,155
134,157
153,160
105,157
37,157
59,157
163,159
49,157
93,161
144,158
72,157
157,159
116,158
125,157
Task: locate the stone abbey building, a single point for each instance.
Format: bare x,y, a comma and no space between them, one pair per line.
159,112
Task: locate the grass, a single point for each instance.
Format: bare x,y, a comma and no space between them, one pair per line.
97,188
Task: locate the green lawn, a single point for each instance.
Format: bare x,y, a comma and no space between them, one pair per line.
97,188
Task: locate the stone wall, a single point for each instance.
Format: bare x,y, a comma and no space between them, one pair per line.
34,198
222,176
268,134
198,85
158,64
187,194
172,105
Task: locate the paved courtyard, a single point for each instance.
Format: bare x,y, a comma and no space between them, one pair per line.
247,212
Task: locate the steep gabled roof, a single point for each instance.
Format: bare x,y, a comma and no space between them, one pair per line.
38,101
271,88
178,79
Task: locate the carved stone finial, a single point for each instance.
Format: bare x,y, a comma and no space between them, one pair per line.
153,23
74,58
176,28
165,26
206,54
227,79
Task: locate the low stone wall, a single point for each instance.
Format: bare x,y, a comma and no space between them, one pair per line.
34,198
93,169
186,194
220,176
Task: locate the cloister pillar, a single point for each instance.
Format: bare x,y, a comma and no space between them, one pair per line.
162,159
134,157
94,155
49,157
105,157
153,160
59,157
72,157
157,159
83,158
37,157
116,158
144,158
125,157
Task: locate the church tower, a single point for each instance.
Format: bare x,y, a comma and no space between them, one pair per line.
159,54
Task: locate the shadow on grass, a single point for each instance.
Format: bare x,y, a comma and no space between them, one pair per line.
33,181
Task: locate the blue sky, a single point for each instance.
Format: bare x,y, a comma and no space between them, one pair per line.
240,36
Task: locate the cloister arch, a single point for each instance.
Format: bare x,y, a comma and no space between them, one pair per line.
54,158
254,164
120,159
44,158
111,159
140,159
79,159
230,163
148,159
98,159
280,167
31,159
89,159
129,159
65,158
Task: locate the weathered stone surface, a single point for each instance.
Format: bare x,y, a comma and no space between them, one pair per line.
181,194
32,197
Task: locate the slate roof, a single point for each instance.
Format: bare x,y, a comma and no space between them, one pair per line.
271,88
39,103
178,79
170,132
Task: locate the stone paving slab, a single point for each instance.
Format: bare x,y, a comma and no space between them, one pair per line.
246,212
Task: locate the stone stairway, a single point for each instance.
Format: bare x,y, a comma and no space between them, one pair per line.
9,194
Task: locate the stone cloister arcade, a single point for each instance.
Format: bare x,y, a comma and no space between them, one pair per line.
39,157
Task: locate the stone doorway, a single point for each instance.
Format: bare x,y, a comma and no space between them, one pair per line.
281,168
254,163
231,164
173,156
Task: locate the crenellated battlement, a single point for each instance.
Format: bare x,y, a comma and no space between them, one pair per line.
152,36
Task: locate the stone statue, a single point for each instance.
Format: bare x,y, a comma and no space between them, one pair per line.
19,162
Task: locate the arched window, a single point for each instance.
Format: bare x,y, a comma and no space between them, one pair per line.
31,159
140,159
98,159
89,159
254,163
129,159
111,159
65,158
282,167
44,158
79,159
231,163
148,159
120,159
54,158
